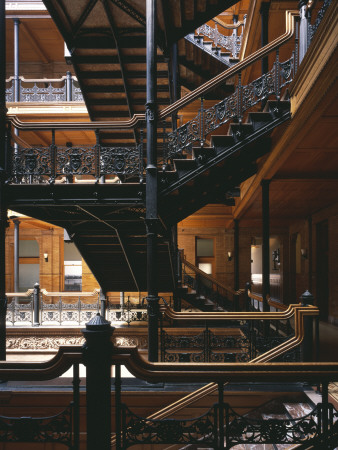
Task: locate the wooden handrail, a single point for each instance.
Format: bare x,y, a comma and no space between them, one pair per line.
271,302
252,365
28,293
95,292
179,104
208,277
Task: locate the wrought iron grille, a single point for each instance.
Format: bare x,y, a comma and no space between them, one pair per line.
205,347
138,430
48,164
41,91
222,428
232,107
56,428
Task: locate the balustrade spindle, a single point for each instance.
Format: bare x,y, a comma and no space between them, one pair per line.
140,149
201,113
239,98
97,151
277,67
52,159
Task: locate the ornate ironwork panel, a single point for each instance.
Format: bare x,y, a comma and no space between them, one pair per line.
313,28
138,430
76,92
221,113
56,428
75,161
43,94
119,160
259,89
34,161
10,93
287,71
307,429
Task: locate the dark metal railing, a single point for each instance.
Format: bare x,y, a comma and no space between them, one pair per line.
223,297
64,89
40,307
59,164
232,107
208,346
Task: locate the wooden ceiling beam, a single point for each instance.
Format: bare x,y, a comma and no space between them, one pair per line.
33,42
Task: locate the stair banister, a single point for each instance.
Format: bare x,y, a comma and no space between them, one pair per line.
174,107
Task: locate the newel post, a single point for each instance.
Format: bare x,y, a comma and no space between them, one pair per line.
36,305
97,352
307,347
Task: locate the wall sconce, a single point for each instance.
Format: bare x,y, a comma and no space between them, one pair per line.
229,256
276,259
303,252
45,255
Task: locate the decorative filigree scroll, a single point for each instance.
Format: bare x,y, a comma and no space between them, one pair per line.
232,107
139,430
307,429
42,94
56,428
45,164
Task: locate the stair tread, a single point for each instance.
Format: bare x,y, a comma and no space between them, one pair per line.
298,410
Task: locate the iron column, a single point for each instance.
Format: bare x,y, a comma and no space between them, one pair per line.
266,243
3,205
16,255
151,184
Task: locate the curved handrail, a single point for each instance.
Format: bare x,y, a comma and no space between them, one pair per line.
208,277
212,387
95,292
46,370
179,104
28,293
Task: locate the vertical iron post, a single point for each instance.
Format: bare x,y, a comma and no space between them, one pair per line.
97,352
236,257
307,346
3,168
36,305
118,405
16,60
16,256
264,12
266,244
69,86
303,30
103,303
76,402
151,185
221,414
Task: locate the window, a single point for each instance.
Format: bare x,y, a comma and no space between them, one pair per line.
29,264
72,267
205,254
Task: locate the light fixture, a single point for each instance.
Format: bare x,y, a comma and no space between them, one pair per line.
276,259
229,256
45,255
303,252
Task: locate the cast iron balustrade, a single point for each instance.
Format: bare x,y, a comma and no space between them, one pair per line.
313,28
80,308
231,43
208,346
232,107
223,298
64,89
52,164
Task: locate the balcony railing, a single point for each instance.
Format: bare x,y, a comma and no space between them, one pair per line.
64,89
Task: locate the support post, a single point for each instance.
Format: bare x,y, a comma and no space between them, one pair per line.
236,259
307,346
97,352
36,305
118,406
69,85
16,256
266,243
264,12
103,303
221,424
303,30
3,168
16,70
76,400
151,186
